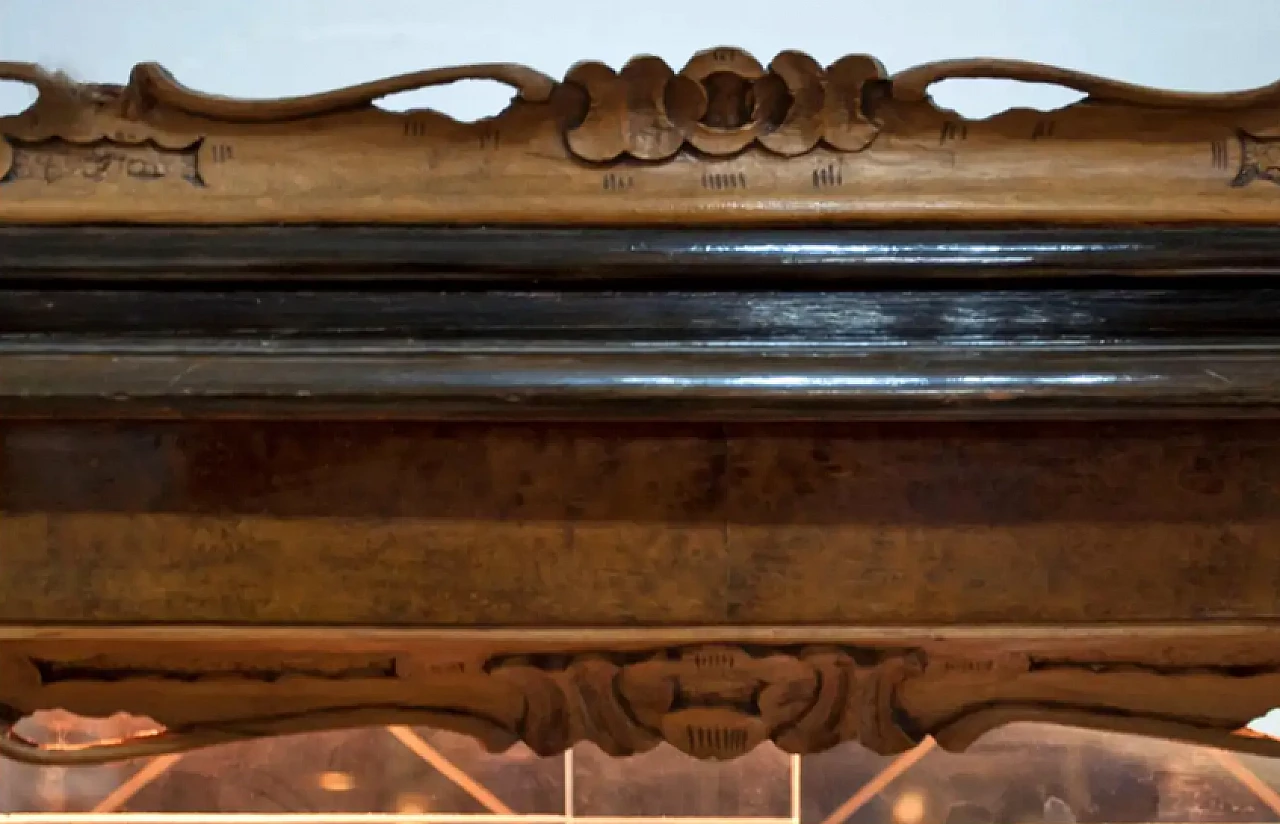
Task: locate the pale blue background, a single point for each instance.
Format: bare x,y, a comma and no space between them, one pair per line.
279,47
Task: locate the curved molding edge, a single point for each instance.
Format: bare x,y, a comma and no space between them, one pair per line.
709,701
726,139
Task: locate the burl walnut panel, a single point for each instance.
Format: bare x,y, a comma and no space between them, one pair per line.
471,526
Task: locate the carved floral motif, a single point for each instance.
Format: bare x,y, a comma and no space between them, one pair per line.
1259,160
711,702
726,139
722,102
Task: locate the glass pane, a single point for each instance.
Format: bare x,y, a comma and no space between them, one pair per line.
666,782
1018,775
1031,773
375,770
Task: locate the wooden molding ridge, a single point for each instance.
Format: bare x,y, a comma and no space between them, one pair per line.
724,140
710,701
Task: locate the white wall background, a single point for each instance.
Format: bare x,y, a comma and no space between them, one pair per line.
263,48
260,48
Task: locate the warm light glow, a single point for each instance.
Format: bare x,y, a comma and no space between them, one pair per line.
909,808
1268,726
336,782
411,804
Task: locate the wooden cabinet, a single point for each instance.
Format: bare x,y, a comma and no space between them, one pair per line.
895,439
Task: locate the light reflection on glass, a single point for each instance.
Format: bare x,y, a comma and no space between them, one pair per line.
1023,773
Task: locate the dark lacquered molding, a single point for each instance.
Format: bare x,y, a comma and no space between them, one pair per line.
638,325
151,253
304,379
650,355
902,318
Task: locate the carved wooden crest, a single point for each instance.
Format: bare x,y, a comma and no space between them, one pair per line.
726,139
711,701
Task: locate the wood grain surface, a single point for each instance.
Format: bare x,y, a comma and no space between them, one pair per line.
725,140
527,526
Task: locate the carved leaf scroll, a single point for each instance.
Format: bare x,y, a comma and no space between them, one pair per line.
716,702
913,85
720,103
150,85
711,702
791,140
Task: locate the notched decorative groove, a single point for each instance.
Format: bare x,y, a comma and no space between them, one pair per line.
1219,670
107,669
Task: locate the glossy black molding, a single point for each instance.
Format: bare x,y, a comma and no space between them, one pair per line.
582,325
728,255
317,382
975,316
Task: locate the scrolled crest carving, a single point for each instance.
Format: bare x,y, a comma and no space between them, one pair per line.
722,102
723,139
711,702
